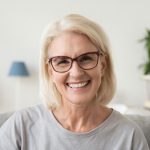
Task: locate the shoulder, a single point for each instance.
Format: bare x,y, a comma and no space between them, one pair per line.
125,126
27,116
35,112
119,119
122,123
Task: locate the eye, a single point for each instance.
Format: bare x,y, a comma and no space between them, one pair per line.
64,61
86,58
60,61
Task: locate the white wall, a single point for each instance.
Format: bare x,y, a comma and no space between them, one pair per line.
21,25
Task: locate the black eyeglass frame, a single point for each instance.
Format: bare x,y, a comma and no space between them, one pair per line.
98,53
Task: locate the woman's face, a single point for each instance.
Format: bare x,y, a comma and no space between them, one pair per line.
76,86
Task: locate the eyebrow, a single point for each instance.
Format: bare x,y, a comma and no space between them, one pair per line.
76,56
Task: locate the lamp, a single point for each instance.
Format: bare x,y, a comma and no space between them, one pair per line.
18,69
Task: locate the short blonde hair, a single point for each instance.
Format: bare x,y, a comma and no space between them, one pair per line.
79,24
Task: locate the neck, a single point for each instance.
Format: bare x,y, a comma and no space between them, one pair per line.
81,118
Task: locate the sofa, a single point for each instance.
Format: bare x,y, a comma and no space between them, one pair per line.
142,121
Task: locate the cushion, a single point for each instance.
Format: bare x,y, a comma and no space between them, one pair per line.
4,117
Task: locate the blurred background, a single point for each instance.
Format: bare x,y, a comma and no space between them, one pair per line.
22,23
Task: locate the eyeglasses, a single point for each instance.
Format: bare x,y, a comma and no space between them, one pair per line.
85,61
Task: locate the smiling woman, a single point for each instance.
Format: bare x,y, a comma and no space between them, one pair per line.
77,81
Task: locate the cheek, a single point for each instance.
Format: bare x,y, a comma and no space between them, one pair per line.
58,79
55,78
49,71
56,82
98,76
101,69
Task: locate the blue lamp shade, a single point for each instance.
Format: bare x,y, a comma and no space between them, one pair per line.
18,68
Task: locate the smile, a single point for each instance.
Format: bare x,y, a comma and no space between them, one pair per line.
78,85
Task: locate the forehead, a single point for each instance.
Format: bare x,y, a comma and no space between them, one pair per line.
70,43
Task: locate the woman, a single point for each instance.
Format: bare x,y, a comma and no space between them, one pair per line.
77,81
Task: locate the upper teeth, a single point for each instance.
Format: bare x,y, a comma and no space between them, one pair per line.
78,85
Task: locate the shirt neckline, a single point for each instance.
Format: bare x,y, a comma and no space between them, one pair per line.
99,128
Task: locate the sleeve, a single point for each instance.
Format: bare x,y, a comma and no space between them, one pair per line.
10,134
139,141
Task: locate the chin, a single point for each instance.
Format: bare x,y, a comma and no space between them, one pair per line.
80,100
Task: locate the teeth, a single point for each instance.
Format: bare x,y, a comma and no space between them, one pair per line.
79,85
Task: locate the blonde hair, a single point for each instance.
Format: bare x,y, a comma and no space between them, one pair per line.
79,24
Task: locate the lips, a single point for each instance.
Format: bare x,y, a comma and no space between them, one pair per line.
78,85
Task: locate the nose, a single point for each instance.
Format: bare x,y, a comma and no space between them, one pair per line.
75,70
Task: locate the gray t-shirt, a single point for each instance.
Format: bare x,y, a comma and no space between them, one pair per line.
36,128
